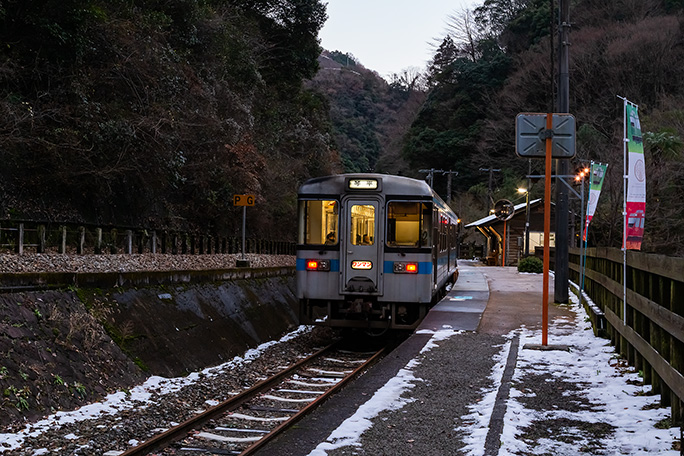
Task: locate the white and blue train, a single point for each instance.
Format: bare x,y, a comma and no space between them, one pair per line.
374,251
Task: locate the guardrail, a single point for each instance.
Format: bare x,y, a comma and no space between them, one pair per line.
25,236
650,335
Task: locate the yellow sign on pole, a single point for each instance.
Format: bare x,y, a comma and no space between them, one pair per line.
243,200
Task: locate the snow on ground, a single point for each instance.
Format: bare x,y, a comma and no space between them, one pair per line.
137,397
608,386
614,390
590,361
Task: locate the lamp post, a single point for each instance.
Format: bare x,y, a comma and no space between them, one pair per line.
579,178
526,191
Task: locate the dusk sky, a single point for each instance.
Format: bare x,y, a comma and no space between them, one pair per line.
388,35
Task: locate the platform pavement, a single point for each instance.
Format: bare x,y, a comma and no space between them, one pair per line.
462,307
484,305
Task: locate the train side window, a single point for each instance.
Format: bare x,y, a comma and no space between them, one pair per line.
318,222
408,224
426,226
362,224
403,224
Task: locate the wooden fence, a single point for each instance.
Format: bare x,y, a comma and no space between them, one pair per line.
20,237
651,334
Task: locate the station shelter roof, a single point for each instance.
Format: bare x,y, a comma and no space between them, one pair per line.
491,219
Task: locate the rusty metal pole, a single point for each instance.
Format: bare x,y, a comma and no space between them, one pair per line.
547,229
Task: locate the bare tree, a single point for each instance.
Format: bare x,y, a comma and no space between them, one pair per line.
466,33
411,78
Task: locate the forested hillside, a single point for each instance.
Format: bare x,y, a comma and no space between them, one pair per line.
369,115
154,113
497,63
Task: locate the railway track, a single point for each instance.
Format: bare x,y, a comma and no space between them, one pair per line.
245,422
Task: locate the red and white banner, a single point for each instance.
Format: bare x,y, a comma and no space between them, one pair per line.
635,204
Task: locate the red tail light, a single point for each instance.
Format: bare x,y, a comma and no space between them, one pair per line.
405,268
317,265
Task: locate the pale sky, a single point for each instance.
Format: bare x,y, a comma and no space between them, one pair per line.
388,36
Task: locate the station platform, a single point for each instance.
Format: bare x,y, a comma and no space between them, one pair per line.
465,383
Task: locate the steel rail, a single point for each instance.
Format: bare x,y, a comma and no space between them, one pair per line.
303,412
177,432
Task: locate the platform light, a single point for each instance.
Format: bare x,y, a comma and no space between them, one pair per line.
582,172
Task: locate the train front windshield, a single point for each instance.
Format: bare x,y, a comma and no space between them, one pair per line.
318,222
408,224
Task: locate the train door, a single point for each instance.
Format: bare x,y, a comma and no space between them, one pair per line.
361,262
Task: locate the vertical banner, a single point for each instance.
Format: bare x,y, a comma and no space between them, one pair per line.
598,172
636,180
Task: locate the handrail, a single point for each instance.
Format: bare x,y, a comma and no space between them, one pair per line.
54,237
652,339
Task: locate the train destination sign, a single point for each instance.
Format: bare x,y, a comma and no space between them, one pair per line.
243,200
363,184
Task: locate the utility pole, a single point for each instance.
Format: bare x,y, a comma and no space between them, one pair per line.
562,165
449,173
430,175
491,181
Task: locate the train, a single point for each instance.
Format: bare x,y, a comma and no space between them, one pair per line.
374,251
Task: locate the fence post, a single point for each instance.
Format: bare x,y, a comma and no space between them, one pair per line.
20,243
113,249
98,241
64,238
129,242
676,305
154,241
41,239
81,240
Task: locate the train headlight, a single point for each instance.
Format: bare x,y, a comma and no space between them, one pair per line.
402,267
317,265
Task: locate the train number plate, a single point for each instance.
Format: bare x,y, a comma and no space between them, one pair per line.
362,264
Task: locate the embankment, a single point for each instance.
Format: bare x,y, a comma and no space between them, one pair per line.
69,339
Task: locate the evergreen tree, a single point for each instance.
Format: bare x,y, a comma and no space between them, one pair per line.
439,68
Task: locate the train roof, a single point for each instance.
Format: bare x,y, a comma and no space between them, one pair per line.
389,184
